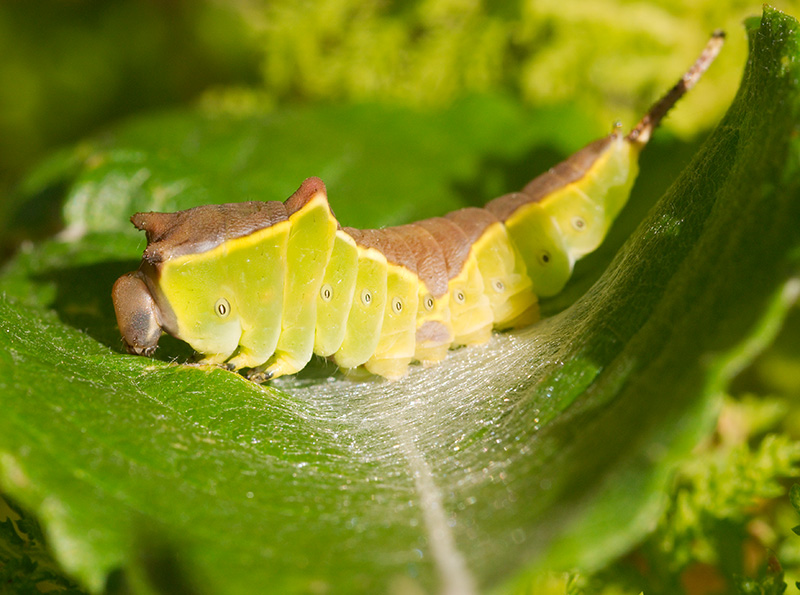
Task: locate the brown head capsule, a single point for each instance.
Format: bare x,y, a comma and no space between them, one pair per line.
138,316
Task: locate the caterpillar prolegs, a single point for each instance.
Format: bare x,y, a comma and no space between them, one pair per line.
264,285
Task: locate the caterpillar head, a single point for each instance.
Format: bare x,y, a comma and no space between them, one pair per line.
138,315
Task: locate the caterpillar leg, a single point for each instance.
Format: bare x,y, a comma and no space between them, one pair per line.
392,368
280,364
212,360
258,344
258,376
395,351
433,340
479,336
526,318
244,359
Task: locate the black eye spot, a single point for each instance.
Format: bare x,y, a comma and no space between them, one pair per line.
544,257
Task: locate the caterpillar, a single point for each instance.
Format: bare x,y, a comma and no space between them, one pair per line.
264,285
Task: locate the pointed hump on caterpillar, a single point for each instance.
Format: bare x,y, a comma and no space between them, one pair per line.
264,285
202,228
141,308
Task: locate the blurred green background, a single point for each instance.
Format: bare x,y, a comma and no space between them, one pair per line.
69,68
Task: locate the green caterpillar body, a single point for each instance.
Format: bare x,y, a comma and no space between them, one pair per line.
265,285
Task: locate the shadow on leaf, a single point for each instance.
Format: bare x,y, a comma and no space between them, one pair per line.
83,301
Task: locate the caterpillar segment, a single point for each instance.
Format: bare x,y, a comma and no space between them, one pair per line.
265,285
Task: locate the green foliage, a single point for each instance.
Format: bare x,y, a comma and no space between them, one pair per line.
63,71
716,499
430,52
26,568
771,584
716,492
69,68
714,535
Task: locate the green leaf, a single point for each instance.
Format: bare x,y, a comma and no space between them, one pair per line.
547,449
25,565
794,497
